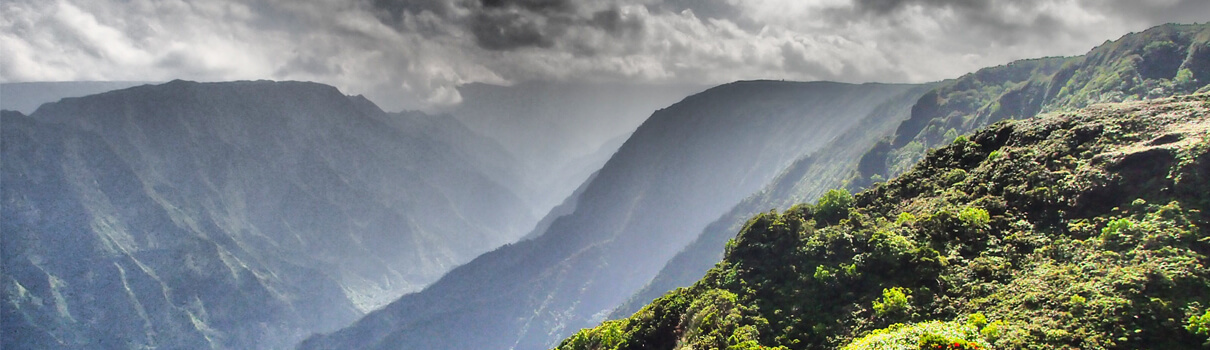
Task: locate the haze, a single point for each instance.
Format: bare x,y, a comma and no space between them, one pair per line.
414,54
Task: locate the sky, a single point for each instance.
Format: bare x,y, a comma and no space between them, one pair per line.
413,54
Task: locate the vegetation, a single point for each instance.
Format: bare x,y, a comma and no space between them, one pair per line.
1085,230
923,336
1164,61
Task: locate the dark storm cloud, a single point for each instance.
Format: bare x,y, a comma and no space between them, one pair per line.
969,23
392,11
501,25
887,6
537,6
510,30
611,20
512,24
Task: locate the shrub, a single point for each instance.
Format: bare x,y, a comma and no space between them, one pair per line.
894,302
997,154
994,330
915,336
974,217
940,342
823,274
1199,325
976,320
833,206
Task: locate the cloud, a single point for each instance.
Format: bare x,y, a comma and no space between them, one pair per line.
415,53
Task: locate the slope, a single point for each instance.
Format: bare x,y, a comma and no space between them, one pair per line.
227,215
1161,61
683,167
804,180
1075,230
26,97
561,132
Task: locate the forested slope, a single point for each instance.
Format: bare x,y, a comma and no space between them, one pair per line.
1083,229
1161,61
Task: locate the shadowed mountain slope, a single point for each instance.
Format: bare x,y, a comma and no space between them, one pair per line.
229,215
686,165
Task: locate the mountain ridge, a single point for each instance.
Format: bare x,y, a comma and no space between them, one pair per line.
526,294
1019,89
312,201
1042,232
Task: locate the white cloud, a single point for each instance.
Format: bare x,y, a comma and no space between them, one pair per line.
415,53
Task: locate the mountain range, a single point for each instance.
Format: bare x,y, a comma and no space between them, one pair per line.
233,215
261,214
675,174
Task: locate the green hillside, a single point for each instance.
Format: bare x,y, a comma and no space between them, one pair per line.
1082,229
1163,61
1136,66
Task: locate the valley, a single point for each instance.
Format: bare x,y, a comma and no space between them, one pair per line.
1052,202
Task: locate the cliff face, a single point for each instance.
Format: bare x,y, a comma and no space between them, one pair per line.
228,215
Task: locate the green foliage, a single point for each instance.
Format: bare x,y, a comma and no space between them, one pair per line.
894,302
994,331
977,320
940,342
1199,325
1066,244
925,335
974,217
953,136
1184,79
833,206
994,155
1160,62
824,274
608,335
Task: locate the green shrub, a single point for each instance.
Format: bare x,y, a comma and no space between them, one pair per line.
974,217
1077,301
976,320
894,302
993,331
940,342
997,154
954,176
913,336
824,274
1199,325
833,206
1115,230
